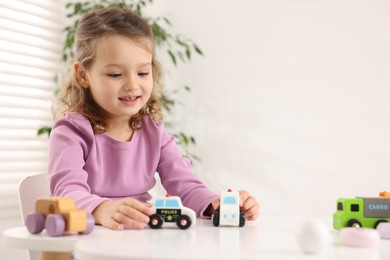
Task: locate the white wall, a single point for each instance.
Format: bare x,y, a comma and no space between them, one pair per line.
291,100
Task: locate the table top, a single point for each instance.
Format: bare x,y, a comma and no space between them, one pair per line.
19,237
271,239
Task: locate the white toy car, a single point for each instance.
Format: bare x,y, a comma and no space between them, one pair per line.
170,211
229,213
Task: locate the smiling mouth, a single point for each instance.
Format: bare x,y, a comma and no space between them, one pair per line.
129,99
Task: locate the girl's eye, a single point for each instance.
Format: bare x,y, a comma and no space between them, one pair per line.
143,74
114,75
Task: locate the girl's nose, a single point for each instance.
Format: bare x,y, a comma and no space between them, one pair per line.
130,84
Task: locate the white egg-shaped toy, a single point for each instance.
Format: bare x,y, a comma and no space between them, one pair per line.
312,236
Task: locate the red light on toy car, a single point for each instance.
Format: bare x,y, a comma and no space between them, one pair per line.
167,195
229,190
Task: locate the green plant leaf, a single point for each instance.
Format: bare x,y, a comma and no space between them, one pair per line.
167,21
44,130
173,57
188,53
181,43
198,50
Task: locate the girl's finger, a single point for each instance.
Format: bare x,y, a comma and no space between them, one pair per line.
249,203
113,224
142,207
252,213
128,222
243,196
133,213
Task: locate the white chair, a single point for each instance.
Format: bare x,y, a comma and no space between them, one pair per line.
30,189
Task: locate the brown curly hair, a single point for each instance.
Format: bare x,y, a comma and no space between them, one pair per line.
92,29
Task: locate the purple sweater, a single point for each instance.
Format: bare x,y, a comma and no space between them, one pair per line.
93,168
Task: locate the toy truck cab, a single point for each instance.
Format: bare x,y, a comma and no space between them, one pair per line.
229,213
59,215
170,211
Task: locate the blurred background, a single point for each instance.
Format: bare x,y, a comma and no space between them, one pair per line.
289,101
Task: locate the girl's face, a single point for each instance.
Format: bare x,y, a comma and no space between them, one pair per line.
120,79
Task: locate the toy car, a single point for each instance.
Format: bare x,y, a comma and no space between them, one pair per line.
170,211
59,215
229,213
362,212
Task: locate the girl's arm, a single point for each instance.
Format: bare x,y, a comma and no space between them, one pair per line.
71,141
178,179
69,145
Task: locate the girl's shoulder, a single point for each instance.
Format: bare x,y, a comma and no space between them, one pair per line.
151,128
150,124
74,122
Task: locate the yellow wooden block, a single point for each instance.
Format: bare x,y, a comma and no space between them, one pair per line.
54,205
76,221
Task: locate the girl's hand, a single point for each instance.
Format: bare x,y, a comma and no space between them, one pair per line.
248,204
123,213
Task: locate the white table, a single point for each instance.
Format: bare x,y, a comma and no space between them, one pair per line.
263,239
19,237
51,247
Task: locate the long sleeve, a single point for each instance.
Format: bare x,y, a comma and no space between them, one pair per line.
178,179
93,168
69,145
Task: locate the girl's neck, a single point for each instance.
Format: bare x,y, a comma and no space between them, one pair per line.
120,130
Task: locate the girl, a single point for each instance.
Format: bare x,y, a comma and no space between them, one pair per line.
109,143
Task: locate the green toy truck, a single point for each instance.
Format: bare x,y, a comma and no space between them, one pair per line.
361,212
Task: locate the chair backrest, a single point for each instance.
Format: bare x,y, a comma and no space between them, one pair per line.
30,189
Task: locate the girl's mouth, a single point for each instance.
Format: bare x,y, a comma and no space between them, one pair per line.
129,99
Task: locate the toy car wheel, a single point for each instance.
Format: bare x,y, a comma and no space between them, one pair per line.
216,218
183,222
380,221
242,218
155,221
35,222
55,225
354,223
90,225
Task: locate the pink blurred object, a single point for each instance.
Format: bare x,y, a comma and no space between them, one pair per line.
359,237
